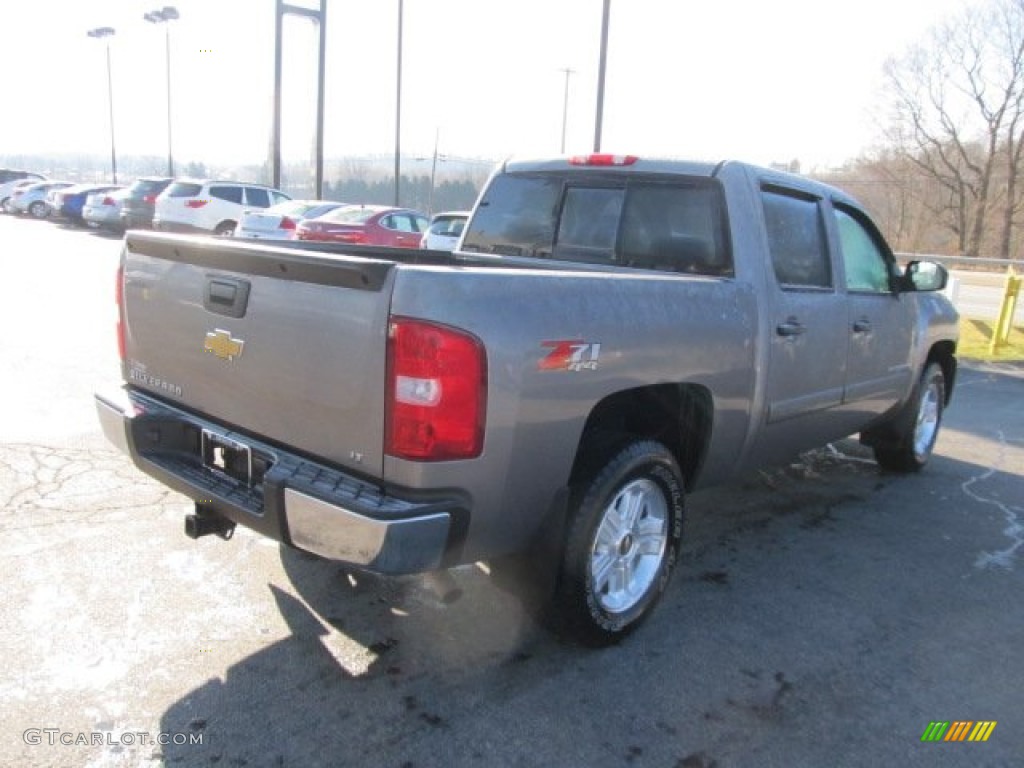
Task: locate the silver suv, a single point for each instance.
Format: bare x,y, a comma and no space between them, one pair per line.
204,206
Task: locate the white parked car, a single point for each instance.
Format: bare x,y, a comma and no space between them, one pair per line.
445,230
204,206
278,222
32,198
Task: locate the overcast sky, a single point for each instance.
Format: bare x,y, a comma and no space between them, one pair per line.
748,79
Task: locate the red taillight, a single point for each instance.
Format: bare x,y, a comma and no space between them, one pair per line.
286,223
195,203
108,201
119,297
436,392
603,160
151,199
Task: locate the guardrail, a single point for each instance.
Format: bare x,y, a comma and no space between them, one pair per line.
950,262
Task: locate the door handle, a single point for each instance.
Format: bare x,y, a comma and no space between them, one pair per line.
791,327
861,326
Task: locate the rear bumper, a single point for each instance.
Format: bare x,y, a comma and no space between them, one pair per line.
135,219
288,498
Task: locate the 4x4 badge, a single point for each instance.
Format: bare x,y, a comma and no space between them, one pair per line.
221,344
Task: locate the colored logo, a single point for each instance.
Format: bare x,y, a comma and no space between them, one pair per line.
221,344
958,730
570,355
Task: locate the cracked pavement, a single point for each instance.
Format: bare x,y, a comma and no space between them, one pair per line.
824,613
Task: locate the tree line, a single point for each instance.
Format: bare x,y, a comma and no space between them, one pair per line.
949,176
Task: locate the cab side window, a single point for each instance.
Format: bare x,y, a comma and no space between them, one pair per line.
796,239
867,268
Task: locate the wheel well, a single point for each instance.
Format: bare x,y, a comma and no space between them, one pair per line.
944,353
227,223
677,415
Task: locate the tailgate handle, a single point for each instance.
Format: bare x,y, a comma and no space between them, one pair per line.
226,296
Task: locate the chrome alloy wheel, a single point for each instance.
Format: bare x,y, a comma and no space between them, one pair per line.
928,414
629,545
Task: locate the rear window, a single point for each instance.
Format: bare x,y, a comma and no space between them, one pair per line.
675,225
349,215
451,226
151,187
292,208
183,189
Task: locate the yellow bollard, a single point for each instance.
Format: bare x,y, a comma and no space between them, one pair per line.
1001,333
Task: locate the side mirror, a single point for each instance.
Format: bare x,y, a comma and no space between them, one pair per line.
925,276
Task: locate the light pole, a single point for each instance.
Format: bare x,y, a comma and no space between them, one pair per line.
100,33
398,106
166,15
565,103
600,76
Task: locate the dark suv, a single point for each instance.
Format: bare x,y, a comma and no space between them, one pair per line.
140,200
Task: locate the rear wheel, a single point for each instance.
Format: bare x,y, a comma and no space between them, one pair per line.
225,229
622,544
38,209
917,426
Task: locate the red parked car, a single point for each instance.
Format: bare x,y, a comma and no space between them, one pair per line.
366,225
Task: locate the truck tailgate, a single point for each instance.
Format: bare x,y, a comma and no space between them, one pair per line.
284,343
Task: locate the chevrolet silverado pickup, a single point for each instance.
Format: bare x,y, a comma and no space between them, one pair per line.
612,333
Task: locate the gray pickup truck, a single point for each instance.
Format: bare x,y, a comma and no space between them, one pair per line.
612,333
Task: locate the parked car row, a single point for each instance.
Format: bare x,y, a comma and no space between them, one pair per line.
225,208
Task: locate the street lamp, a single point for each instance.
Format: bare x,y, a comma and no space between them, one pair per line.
100,33
163,16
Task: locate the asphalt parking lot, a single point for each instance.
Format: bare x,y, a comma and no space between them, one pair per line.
824,614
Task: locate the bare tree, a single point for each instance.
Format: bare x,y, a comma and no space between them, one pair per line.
958,114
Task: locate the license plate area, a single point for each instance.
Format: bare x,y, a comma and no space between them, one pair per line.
227,457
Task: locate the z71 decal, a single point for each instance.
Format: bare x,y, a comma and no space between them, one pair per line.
570,355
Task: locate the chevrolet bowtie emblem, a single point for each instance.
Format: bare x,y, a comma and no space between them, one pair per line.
221,344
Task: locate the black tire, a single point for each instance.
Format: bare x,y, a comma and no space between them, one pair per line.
39,210
225,229
917,425
608,584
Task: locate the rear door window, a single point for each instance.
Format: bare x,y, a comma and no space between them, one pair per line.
796,239
232,194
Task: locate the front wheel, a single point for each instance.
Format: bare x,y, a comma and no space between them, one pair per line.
225,229
918,426
623,543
